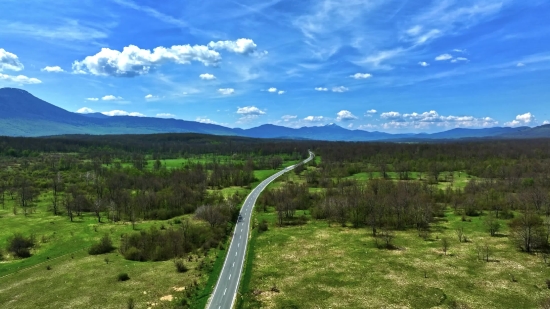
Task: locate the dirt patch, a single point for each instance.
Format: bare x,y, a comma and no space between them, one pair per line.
179,288
167,298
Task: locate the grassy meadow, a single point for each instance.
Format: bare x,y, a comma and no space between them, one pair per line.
61,274
322,266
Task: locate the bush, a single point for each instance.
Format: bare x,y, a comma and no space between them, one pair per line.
262,227
123,277
180,266
105,245
133,254
20,246
131,304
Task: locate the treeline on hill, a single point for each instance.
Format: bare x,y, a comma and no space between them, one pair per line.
509,180
163,146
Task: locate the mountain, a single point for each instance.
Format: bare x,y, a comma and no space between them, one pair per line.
329,132
22,114
472,133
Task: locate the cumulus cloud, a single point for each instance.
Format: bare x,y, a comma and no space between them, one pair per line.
55,69
522,120
240,46
520,64
9,61
272,90
372,111
423,63
123,113
20,79
134,61
165,115
111,97
151,97
288,118
321,89
443,57
425,120
92,99
205,120
250,110
314,119
459,50
85,110
207,76
340,89
361,75
226,91
546,122
281,92
345,115
459,59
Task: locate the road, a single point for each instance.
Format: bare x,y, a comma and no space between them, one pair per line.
227,286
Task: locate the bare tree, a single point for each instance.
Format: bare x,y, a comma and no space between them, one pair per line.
445,244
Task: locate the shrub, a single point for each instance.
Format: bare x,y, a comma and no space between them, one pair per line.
133,254
105,245
123,277
180,266
48,267
262,227
131,303
20,246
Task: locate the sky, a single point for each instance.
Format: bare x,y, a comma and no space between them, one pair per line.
377,65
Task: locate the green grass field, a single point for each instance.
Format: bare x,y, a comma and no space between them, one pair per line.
322,266
78,280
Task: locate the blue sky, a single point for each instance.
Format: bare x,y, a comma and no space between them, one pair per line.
376,65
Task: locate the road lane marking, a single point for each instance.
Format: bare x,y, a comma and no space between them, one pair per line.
229,276
233,264
224,291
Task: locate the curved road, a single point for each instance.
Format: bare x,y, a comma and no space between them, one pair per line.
227,286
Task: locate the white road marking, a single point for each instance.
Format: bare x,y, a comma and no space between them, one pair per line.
224,291
233,264
235,253
229,276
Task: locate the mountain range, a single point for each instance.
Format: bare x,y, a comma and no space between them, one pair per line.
22,114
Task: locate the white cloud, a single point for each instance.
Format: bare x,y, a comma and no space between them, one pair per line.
522,120
240,46
281,92
315,119
426,120
9,61
340,89
381,56
272,90
151,97
250,110
287,118
92,99
361,75
85,110
207,76
414,31
111,97
165,115
520,64
458,59
350,125
424,63
20,79
443,57
367,126
55,69
372,111
546,122
459,50
205,120
226,91
123,113
133,61
321,89
345,115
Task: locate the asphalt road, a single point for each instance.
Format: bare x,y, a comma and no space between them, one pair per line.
227,286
